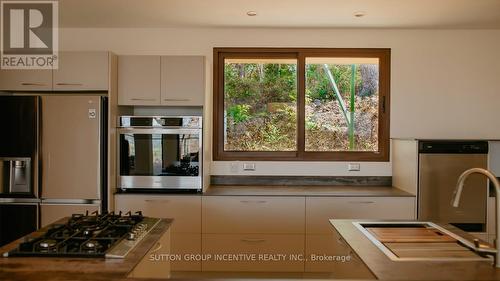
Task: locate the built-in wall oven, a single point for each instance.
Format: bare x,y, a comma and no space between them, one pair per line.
160,153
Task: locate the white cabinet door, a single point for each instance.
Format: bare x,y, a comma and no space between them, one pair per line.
139,80
25,80
256,247
185,210
253,214
183,80
82,71
319,210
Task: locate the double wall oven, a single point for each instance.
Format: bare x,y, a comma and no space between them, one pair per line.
160,153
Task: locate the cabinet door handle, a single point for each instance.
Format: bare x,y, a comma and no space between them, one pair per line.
143,99
157,201
32,84
253,201
69,84
253,240
176,99
361,202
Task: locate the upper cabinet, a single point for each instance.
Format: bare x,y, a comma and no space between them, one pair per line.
166,80
139,80
77,71
182,80
25,80
85,71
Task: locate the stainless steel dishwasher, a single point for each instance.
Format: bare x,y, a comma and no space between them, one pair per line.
440,165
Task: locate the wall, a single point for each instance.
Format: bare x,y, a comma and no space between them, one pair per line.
444,82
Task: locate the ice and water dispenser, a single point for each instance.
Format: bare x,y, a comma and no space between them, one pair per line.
15,176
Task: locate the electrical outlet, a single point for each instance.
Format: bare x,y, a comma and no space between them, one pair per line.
249,167
354,167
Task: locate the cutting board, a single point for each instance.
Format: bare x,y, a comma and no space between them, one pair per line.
409,234
430,250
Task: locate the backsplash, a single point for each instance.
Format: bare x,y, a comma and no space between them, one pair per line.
302,180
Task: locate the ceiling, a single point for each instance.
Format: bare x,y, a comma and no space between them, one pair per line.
448,14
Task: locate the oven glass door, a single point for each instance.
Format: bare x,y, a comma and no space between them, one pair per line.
160,154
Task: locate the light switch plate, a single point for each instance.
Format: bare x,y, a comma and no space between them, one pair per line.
354,167
249,167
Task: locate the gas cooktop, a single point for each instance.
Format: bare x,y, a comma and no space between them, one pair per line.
107,235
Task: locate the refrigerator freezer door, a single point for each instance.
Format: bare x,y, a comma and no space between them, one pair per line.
70,147
17,220
51,213
18,121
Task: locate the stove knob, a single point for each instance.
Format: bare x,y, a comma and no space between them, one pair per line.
131,235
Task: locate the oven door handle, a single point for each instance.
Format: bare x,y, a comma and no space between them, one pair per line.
159,131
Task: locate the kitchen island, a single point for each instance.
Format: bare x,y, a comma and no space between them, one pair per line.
41,269
54,268
383,268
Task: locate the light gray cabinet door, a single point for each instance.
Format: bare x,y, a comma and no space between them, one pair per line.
139,80
183,80
25,80
82,71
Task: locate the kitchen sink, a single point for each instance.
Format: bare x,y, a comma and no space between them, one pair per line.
425,241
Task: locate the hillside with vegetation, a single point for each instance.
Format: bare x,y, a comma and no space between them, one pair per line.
261,107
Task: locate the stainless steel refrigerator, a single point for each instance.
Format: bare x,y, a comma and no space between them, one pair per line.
72,156
68,155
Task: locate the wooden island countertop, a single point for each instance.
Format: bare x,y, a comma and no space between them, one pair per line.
81,269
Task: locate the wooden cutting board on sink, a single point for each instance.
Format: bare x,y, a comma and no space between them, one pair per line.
409,234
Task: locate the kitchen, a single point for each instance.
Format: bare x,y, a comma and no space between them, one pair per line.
153,84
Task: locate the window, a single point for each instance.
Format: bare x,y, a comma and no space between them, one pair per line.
301,104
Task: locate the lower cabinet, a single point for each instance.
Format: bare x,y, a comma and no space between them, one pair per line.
253,252
186,228
330,253
265,234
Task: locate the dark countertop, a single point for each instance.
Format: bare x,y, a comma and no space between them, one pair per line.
35,268
337,190
384,268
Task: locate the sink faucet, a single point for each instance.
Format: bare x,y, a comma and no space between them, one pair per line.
456,201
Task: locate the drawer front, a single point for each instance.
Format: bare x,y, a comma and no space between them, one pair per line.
185,210
253,214
183,246
260,246
320,210
330,253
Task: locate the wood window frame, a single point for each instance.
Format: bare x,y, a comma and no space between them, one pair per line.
382,155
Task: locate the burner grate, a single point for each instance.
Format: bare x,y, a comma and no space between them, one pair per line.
83,235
